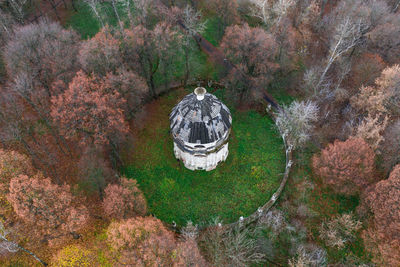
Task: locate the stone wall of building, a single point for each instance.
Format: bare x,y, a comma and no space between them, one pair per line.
199,161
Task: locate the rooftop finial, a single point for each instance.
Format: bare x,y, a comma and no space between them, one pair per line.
200,92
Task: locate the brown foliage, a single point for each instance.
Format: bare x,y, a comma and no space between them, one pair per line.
390,146
369,100
95,172
384,97
253,48
49,207
142,241
44,50
346,166
385,39
90,111
100,54
371,129
384,201
389,84
124,200
188,254
366,69
13,164
148,51
130,86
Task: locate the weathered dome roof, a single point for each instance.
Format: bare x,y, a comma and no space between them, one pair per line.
200,118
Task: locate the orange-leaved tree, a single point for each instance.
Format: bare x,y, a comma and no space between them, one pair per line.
347,167
13,164
124,200
88,110
50,208
142,241
384,201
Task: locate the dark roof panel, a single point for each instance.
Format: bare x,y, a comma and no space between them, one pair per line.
205,120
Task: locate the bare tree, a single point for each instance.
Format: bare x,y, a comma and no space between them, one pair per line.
235,246
6,24
347,35
144,9
93,4
241,247
190,231
339,230
12,246
17,128
271,12
127,5
120,24
18,7
308,255
192,21
296,121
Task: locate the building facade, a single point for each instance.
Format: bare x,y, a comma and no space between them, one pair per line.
200,127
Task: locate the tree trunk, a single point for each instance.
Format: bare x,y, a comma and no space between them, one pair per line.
73,5
115,152
117,15
130,17
65,4
34,155
93,6
187,70
52,168
54,6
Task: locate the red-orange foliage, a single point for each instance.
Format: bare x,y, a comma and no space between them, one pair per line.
48,207
253,48
384,201
87,109
124,200
346,166
13,164
142,241
100,54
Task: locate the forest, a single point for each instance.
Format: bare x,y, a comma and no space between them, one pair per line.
88,175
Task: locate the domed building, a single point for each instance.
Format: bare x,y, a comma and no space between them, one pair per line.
200,127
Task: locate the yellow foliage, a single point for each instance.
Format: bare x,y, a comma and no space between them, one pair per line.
74,255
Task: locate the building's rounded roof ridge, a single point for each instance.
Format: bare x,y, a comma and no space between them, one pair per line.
200,118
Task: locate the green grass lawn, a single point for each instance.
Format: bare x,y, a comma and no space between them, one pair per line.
213,31
83,21
247,179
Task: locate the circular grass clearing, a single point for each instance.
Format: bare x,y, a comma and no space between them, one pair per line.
237,187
